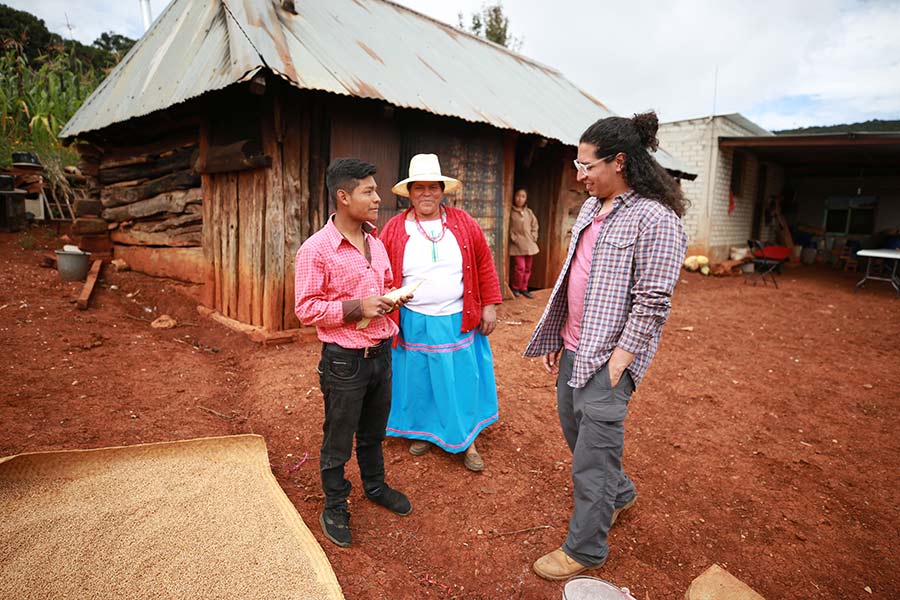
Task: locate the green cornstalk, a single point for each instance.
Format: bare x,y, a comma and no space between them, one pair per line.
36,101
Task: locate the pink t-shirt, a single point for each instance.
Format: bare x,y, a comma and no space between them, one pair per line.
579,270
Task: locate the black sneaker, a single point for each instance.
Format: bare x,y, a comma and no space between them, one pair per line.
527,294
516,293
335,524
391,499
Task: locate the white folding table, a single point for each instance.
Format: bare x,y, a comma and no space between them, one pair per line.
893,255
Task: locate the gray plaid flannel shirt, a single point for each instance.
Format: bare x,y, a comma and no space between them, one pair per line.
636,264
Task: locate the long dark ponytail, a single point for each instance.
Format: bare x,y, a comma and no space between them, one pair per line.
636,138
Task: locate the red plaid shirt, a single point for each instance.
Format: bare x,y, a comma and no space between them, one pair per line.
636,264
329,271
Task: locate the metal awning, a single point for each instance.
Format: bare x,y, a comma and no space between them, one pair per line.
825,154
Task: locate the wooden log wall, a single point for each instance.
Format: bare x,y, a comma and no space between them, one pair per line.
254,221
143,195
89,229
150,194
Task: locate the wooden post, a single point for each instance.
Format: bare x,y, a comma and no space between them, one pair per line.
208,241
213,204
296,219
230,219
509,173
258,244
273,271
246,226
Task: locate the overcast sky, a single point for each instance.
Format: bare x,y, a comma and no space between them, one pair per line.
782,63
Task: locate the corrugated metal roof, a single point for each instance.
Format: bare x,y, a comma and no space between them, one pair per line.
362,48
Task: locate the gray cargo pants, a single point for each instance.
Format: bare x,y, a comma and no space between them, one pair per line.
592,420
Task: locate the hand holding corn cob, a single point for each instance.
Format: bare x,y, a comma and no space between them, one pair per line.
382,305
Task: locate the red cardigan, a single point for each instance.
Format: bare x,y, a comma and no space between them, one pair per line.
481,286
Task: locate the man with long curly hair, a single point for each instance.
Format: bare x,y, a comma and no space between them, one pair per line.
603,321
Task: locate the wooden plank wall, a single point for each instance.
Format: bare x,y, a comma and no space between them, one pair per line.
273,211
509,173
256,220
361,130
230,244
295,169
319,153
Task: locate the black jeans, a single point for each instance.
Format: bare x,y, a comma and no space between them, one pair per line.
357,395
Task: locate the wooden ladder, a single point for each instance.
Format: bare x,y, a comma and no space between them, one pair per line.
59,212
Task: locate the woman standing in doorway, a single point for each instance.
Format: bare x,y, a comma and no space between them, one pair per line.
523,235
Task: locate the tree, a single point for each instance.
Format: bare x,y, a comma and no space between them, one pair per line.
25,31
22,30
113,43
492,24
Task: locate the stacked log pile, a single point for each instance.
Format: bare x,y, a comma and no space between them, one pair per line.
88,229
145,196
151,195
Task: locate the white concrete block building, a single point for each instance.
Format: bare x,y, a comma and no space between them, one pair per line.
725,178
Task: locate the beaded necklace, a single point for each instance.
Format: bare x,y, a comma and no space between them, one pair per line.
434,240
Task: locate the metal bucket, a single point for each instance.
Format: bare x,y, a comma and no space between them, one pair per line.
73,266
591,588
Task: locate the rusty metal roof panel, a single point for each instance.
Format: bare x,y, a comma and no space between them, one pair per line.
362,48
185,53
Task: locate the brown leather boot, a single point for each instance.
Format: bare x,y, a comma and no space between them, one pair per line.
557,566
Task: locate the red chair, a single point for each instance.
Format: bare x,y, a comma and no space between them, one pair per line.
767,261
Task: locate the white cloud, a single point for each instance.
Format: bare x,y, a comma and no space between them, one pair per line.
843,54
842,57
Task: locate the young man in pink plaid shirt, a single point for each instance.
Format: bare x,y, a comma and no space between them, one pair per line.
342,274
603,322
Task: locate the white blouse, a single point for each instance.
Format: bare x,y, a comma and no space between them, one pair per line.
440,263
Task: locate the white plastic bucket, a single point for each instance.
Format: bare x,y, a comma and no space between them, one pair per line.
591,588
73,266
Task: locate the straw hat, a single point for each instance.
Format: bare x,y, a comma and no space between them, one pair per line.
425,167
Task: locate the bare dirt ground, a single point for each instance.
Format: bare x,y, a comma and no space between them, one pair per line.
764,438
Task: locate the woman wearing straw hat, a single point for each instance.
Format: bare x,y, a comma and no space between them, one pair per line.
443,374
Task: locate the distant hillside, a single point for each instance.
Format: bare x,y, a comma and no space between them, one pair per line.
868,126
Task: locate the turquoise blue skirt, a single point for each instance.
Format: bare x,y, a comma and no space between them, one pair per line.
443,382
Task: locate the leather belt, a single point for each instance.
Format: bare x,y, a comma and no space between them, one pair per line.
370,352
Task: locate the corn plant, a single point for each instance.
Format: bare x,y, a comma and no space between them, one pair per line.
36,101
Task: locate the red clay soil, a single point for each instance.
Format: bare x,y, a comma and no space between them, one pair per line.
764,437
